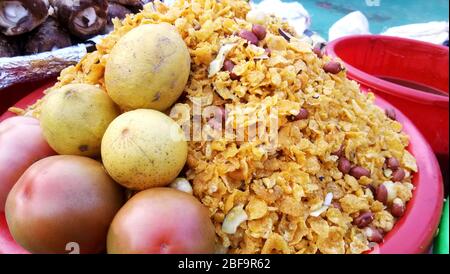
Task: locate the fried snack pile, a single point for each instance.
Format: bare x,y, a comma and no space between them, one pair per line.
303,195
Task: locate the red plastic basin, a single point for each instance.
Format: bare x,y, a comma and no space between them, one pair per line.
412,234
368,57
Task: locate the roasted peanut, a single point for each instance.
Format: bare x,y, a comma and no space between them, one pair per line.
318,51
392,163
249,36
364,219
398,175
397,208
333,67
382,194
259,31
344,165
228,65
359,172
373,234
302,115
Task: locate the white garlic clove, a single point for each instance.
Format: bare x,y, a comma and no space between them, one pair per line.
234,219
182,185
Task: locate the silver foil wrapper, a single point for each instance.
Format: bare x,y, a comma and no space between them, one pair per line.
21,69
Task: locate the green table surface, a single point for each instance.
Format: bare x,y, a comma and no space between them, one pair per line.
442,241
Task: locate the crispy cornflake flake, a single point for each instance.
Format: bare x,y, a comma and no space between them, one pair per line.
275,244
409,161
256,209
351,203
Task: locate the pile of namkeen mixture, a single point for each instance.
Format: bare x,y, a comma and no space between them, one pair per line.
333,177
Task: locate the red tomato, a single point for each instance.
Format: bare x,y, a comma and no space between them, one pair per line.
164,221
63,203
21,144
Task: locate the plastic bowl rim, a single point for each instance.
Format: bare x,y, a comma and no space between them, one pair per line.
386,86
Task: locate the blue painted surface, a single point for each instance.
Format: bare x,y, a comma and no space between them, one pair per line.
387,14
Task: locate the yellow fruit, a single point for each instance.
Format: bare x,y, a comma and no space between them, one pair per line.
75,117
144,148
148,68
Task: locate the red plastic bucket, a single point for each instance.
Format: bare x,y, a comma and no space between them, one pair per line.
412,234
369,57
